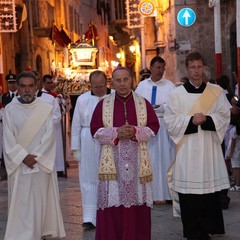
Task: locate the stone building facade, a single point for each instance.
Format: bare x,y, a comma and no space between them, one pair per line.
178,41
35,47
160,34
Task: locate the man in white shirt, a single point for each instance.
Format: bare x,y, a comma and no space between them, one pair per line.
156,90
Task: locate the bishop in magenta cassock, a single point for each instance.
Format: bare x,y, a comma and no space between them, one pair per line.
123,123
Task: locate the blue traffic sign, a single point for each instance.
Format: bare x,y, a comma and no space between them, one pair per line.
186,17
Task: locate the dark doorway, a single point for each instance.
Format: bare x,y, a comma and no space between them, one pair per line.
18,63
39,68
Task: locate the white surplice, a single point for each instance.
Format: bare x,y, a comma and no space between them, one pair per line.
34,207
81,139
1,132
46,97
197,172
161,147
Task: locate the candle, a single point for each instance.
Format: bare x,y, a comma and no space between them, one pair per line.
154,94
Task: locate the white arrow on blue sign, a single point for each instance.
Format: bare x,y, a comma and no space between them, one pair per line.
186,17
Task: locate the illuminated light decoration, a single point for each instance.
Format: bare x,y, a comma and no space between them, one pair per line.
118,55
132,48
146,8
106,63
7,16
112,40
84,54
114,64
134,19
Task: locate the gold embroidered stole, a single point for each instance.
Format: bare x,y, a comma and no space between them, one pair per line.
107,167
206,100
203,104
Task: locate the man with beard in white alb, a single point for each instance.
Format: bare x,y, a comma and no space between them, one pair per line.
29,150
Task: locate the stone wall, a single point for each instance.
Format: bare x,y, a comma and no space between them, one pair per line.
179,40
197,37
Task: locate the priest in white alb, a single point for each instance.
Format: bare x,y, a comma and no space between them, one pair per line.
29,151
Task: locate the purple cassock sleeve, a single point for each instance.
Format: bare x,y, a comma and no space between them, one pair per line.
96,121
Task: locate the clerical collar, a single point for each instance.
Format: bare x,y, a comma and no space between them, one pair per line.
108,92
190,88
15,93
21,100
38,93
194,85
124,98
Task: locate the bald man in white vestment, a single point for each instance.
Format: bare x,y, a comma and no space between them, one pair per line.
82,141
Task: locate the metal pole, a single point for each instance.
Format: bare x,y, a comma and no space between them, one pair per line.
218,38
143,51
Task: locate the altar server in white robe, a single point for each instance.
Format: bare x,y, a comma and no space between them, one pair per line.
197,116
49,96
83,143
29,150
60,167
156,90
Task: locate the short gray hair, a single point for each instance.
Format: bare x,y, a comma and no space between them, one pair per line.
26,74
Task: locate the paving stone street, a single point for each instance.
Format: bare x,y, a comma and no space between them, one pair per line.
164,225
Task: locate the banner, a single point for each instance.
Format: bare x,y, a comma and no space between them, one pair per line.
24,16
59,37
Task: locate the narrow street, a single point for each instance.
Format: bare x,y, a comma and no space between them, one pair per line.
164,225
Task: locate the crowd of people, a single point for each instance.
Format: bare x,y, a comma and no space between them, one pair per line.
162,143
